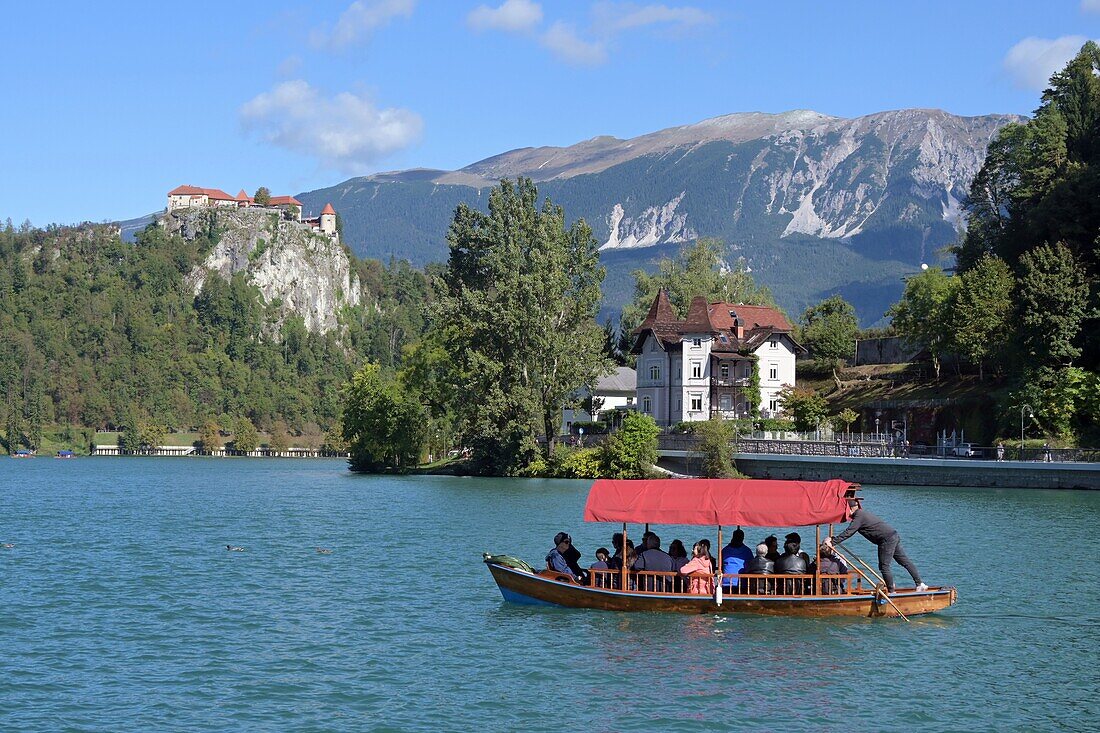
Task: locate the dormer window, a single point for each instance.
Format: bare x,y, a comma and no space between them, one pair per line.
696,342
775,342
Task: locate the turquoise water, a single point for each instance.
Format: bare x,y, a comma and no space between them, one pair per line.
123,611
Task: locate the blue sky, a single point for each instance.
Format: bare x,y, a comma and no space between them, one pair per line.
110,105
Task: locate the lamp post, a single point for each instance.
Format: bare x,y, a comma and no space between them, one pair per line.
1031,413
876,428
580,431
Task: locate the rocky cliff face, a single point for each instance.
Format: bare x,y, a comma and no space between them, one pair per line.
308,273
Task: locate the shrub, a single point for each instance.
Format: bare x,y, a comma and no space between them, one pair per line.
631,451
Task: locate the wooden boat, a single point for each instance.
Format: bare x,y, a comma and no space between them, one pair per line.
718,502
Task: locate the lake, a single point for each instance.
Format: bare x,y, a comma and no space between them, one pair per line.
123,611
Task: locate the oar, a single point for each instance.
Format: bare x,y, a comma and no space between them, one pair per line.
865,577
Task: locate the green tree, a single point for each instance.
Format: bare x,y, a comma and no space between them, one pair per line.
34,419
631,451
843,420
280,437
245,437
1053,299
698,269
923,315
982,314
262,197
383,423
517,320
152,434
129,440
210,437
829,331
803,405
716,440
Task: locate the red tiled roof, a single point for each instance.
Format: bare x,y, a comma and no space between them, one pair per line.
328,210
242,196
751,316
285,201
214,193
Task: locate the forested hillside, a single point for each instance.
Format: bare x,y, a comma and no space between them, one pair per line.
96,332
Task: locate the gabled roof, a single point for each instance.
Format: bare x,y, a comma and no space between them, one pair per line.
751,316
624,379
285,201
757,322
215,193
242,196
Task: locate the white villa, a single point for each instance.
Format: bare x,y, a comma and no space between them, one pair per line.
614,392
701,367
194,197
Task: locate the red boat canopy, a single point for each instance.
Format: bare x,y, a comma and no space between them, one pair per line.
747,502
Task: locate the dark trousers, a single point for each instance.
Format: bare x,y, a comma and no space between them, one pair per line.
890,550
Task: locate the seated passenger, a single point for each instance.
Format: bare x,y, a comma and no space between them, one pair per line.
734,557
772,543
678,554
700,562
831,564
654,559
616,561
791,562
759,565
796,537
603,558
573,558
555,560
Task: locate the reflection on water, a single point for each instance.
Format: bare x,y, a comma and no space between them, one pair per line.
123,611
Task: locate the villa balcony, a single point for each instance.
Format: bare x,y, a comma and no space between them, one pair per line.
730,381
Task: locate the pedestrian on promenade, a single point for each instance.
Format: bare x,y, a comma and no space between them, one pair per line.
1000,451
1046,453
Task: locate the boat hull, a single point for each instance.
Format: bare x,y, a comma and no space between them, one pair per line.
524,588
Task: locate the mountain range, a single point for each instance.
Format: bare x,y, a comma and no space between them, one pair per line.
813,204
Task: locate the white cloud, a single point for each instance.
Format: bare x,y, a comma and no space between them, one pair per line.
1031,62
359,20
514,16
615,17
1090,6
346,132
562,40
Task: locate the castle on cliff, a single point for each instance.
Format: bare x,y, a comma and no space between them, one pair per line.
193,197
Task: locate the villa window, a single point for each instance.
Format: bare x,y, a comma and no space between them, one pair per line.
696,403
773,372
725,371
771,405
726,401
775,343
646,405
655,373
696,370
696,343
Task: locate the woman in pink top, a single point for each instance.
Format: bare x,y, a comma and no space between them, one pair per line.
700,562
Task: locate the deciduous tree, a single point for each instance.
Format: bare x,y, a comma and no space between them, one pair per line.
829,330
517,320
383,424
982,315
923,315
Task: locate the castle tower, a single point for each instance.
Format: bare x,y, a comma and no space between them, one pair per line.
328,220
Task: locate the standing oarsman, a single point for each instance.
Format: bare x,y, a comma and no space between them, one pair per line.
876,530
